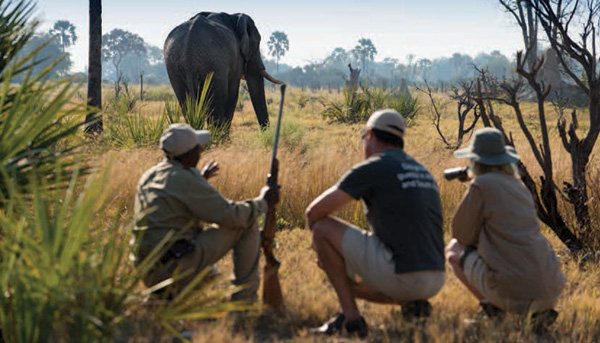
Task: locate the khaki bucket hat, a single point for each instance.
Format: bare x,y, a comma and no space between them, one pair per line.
488,147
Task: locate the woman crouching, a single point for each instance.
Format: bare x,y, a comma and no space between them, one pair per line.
497,250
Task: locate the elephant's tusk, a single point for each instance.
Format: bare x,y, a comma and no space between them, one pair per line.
270,78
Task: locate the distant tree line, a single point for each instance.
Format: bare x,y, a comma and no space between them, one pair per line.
127,58
333,71
125,55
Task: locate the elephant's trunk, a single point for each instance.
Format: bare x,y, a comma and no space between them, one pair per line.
270,78
256,88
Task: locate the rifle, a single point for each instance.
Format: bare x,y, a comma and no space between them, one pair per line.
271,287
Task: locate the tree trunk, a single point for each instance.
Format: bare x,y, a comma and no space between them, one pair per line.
578,194
141,86
547,210
352,82
93,120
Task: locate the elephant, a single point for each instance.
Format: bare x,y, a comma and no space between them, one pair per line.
226,45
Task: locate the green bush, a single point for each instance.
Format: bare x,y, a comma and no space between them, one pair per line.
292,135
353,108
198,116
134,130
35,127
408,107
356,107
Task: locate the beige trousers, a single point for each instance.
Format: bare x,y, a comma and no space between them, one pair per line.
211,245
476,270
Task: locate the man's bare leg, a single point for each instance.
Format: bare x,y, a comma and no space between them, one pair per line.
327,239
362,291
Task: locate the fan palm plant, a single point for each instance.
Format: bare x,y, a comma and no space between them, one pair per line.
36,128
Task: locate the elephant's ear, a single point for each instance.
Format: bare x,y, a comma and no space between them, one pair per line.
248,35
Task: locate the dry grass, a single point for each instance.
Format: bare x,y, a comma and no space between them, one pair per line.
328,150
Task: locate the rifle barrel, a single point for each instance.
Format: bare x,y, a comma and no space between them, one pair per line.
277,128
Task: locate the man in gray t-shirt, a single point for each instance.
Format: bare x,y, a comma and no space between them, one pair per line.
401,261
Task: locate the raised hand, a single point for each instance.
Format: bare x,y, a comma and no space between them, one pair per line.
210,169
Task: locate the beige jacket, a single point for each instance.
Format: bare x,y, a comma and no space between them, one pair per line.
498,216
170,196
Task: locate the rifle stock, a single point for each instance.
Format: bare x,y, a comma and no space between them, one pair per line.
272,295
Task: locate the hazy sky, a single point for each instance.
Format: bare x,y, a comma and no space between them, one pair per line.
425,28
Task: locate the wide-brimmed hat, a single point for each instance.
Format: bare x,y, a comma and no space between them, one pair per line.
388,120
181,138
488,147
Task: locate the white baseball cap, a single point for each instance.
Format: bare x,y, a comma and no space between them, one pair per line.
181,138
388,120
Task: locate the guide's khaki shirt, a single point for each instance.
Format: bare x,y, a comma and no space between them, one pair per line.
498,216
170,196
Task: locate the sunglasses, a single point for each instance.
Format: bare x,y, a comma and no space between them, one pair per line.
363,133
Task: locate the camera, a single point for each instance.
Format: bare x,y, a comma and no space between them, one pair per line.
460,173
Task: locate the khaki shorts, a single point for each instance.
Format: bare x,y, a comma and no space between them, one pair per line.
369,261
476,271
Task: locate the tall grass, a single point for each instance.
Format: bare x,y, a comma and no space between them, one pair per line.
162,93
121,105
330,150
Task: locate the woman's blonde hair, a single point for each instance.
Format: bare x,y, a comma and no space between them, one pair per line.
477,169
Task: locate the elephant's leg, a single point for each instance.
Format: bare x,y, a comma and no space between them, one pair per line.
232,98
220,98
179,84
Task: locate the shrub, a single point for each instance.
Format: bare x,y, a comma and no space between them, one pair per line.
136,129
36,129
198,116
408,107
353,108
292,135
357,106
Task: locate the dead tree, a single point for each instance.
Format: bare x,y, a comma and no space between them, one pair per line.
142,85
560,21
545,195
525,16
464,106
352,82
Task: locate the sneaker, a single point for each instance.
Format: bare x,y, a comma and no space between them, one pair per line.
331,327
357,327
541,321
416,310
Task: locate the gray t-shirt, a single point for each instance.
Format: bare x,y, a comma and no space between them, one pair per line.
402,206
